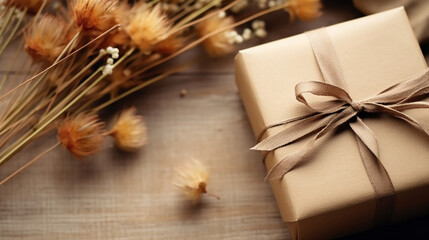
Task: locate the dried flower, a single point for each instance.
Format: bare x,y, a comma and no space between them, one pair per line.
304,9
218,44
192,179
147,27
82,135
129,131
45,39
32,6
170,45
94,16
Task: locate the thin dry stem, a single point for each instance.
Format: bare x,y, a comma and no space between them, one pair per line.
60,61
29,163
196,42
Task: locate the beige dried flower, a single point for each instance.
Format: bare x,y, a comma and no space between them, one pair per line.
129,131
192,179
304,9
147,26
32,6
170,45
94,16
82,135
46,39
218,44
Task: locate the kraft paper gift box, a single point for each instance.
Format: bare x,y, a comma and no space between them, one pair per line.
330,195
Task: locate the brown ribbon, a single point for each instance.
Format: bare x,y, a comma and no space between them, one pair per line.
330,114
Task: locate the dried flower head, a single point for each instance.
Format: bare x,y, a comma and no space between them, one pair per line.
32,6
304,9
82,135
218,44
147,26
170,45
46,39
192,179
94,16
129,131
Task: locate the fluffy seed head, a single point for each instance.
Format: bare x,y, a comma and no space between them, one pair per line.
129,131
46,39
218,44
94,16
170,45
147,26
304,9
192,178
82,135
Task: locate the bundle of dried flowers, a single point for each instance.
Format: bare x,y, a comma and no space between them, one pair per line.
92,53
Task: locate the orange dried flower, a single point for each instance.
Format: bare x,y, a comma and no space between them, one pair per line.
170,45
46,39
129,131
218,44
82,135
147,26
32,6
94,16
192,179
304,9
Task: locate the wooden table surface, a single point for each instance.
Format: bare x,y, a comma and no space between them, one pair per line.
130,196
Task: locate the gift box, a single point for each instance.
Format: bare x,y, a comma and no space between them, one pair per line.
338,187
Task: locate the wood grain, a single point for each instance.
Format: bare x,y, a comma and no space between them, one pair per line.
130,196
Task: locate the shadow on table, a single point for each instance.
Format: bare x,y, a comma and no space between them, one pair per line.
412,229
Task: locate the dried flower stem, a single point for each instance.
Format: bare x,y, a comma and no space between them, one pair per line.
59,105
5,43
209,15
134,89
6,21
11,151
29,163
198,41
12,64
16,104
209,194
60,61
198,12
183,10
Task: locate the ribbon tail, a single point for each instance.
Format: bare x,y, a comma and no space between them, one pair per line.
411,105
294,132
289,162
366,135
380,182
395,113
377,174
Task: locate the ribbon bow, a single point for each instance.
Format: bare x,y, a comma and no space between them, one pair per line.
330,114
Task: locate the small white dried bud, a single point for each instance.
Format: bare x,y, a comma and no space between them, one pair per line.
222,14
247,34
109,50
261,33
257,24
238,39
272,3
110,61
108,69
262,3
